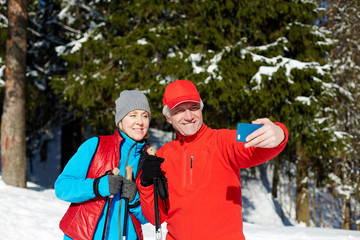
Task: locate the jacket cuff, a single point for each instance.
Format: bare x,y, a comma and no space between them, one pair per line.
286,134
101,186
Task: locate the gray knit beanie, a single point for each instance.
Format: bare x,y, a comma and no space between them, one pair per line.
128,101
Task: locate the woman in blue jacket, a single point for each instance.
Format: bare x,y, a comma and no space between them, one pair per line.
87,181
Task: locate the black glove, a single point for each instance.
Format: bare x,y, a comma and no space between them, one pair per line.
115,182
128,190
150,170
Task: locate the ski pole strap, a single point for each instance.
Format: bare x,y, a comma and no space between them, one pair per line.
96,183
160,186
152,151
129,174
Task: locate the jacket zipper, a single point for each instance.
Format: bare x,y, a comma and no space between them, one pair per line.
191,169
127,160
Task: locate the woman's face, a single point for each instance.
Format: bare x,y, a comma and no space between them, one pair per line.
135,124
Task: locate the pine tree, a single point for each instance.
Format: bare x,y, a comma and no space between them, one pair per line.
45,33
342,20
88,84
45,109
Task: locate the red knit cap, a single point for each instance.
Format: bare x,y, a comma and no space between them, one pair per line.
180,91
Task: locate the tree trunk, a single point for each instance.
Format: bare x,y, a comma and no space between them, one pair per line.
290,186
314,202
357,210
276,178
13,149
346,223
302,188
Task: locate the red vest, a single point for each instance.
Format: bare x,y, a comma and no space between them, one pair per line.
80,220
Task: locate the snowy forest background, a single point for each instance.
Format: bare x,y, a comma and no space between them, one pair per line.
296,62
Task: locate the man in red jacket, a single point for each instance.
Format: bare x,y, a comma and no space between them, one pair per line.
202,166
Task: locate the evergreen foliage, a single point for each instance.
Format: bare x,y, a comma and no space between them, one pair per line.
151,43
222,46
45,32
3,29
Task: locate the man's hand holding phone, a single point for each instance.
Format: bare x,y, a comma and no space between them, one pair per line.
265,134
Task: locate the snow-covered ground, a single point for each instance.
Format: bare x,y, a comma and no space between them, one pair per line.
34,213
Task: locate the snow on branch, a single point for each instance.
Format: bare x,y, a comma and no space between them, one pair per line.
77,44
282,62
3,21
2,69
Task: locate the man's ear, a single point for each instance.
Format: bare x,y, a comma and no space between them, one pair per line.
120,125
168,119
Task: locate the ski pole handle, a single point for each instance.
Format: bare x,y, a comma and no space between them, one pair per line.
115,171
151,151
128,171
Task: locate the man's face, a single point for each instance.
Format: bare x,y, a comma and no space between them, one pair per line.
186,118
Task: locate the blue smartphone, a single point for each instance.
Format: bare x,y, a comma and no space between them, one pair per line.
245,129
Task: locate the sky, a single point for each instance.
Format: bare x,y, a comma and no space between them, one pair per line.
35,212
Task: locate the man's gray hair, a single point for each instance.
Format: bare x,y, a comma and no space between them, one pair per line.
166,109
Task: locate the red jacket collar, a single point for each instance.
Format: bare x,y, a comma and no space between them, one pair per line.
194,137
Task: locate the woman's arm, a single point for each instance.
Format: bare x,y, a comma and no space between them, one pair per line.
72,184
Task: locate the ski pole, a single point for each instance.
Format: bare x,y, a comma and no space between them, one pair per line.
116,171
152,151
128,170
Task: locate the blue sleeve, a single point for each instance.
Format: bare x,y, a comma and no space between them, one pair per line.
72,184
137,212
